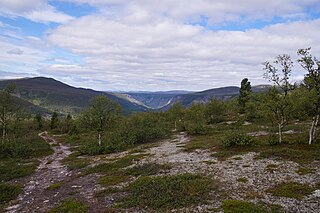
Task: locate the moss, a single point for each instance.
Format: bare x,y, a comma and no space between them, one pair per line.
55,186
242,180
291,190
147,169
238,206
305,171
169,192
71,206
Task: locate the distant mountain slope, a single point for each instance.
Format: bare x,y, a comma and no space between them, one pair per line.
155,100
29,107
223,93
55,95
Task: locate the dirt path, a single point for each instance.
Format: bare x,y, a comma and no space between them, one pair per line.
49,171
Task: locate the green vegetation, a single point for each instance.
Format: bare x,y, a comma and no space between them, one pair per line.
147,169
55,186
113,179
238,206
242,180
74,162
238,140
169,192
305,171
271,167
9,192
107,168
11,169
291,190
71,206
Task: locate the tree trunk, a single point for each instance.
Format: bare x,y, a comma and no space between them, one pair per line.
280,126
313,129
175,125
3,134
99,139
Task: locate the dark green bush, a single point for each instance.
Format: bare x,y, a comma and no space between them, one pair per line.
8,192
235,139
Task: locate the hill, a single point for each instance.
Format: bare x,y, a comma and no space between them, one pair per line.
155,100
57,96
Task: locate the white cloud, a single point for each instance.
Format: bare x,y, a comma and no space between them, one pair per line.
217,11
129,53
35,10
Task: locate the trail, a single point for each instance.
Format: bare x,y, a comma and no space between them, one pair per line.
49,171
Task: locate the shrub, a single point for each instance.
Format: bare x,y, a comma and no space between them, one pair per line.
232,140
168,192
291,190
238,206
71,206
8,192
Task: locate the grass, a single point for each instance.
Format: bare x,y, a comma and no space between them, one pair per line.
271,167
8,192
115,179
14,168
55,186
106,192
300,153
134,151
305,171
71,206
74,162
106,168
168,192
238,206
291,190
242,180
147,169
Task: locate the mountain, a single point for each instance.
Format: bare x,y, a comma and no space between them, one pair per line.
154,100
57,96
223,93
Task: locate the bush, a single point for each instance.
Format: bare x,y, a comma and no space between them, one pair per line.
71,206
169,192
8,192
238,206
27,146
232,140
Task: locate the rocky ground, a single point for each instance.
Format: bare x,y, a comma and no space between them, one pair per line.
240,177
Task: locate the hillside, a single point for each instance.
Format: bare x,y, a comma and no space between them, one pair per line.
155,100
55,95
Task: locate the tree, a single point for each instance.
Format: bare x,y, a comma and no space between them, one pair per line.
312,83
176,114
279,73
245,93
38,120
54,121
101,113
7,109
215,111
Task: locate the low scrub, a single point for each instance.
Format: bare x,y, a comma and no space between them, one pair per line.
233,140
168,192
71,206
291,190
11,169
8,192
238,206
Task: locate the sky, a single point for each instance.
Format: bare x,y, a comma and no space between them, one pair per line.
149,45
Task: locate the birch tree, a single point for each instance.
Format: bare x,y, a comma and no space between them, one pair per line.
279,73
312,83
7,109
101,112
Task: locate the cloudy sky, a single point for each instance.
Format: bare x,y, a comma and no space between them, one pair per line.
153,45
